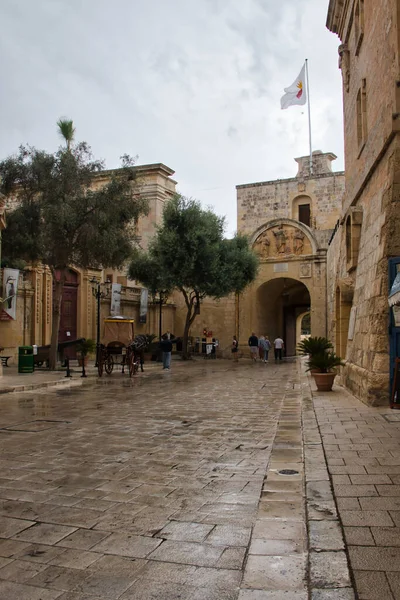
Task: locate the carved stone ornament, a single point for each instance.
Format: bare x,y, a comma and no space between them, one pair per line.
281,241
344,65
262,245
305,270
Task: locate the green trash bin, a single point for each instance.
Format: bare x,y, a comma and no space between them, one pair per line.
25,359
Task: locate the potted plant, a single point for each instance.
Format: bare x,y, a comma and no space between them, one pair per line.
322,367
84,348
314,345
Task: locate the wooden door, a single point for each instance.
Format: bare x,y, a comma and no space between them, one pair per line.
69,307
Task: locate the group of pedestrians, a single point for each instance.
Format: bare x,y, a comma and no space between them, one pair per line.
260,347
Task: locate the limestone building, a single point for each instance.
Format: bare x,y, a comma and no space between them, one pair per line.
32,324
364,254
289,222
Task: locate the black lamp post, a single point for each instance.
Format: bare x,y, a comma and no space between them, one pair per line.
163,295
98,294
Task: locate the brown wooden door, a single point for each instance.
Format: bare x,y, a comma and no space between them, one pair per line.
69,307
305,214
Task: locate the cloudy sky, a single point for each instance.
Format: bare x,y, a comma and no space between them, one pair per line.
194,84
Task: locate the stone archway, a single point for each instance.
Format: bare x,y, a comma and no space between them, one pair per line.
279,302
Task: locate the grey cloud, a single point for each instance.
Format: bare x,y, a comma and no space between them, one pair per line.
195,85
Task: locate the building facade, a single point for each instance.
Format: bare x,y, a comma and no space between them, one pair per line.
32,324
364,254
289,222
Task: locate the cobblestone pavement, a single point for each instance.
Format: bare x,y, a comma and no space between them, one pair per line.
362,448
169,487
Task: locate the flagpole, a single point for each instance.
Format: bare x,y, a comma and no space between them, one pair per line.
309,118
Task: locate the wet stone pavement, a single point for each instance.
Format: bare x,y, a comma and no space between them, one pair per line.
169,487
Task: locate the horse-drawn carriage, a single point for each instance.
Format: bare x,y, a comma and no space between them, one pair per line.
120,347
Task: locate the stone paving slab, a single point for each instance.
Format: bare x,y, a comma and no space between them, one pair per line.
361,446
152,487
169,486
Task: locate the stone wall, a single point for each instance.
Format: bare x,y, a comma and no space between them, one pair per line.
369,227
258,203
19,332
217,316
299,255
34,302
367,355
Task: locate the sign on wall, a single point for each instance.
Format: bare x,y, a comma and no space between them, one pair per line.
116,299
10,287
144,300
281,267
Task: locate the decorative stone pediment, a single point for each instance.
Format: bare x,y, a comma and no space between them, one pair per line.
283,238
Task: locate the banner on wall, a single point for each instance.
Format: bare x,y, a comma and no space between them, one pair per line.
10,287
144,303
116,299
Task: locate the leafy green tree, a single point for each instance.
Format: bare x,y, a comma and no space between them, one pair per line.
190,254
62,218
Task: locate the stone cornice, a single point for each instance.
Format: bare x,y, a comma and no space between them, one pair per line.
290,180
336,18
155,168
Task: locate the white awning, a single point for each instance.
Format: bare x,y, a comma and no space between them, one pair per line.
394,296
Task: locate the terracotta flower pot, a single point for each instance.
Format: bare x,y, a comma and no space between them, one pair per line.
324,381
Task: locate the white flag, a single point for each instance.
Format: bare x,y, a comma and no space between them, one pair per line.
296,93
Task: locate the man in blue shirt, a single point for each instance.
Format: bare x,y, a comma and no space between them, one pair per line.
253,343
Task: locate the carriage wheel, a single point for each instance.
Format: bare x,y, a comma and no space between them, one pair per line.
100,363
109,364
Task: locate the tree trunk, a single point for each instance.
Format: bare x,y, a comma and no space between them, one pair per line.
185,354
192,303
57,298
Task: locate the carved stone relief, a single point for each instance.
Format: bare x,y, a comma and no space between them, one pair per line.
305,270
282,240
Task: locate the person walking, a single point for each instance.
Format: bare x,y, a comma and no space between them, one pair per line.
267,348
278,347
261,347
253,343
234,348
166,347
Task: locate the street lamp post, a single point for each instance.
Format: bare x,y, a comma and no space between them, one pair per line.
98,294
160,318
163,295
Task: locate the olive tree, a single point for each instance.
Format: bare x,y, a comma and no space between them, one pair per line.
189,253
62,219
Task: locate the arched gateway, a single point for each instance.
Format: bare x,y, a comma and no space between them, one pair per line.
279,304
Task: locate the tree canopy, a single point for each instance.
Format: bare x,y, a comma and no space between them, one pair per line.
65,214
189,253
